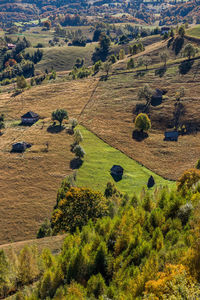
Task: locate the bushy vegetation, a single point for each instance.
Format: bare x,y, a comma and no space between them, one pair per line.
145,247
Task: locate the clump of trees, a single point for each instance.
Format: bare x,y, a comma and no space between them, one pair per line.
78,207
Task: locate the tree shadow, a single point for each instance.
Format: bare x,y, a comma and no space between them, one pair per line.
116,177
139,108
76,163
161,71
139,136
185,66
55,128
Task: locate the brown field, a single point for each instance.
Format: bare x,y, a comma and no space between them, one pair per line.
29,181
54,243
111,113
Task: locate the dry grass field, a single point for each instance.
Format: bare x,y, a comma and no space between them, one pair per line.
29,181
111,113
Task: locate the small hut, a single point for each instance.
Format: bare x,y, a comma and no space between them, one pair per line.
117,170
29,118
171,136
20,147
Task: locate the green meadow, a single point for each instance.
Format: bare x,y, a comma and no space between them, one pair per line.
100,157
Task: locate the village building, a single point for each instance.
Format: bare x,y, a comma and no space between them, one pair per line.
29,118
117,171
20,146
171,136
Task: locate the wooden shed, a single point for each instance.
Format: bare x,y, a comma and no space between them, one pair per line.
117,170
20,146
29,118
171,136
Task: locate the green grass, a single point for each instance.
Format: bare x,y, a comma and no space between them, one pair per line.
195,31
100,157
64,58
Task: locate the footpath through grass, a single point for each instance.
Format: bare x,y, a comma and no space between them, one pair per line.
100,157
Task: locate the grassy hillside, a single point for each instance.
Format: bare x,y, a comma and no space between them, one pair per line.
100,157
64,58
194,31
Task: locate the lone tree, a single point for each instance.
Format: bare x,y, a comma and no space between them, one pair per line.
146,61
181,31
142,122
59,115
164,57
79,151
102,51
146,93
107,68
189,51
78,138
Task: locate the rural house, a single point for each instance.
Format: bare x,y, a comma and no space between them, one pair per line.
117,170
171,136
29,118
20,147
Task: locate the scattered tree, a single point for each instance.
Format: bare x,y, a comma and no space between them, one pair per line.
79,151
189,51
121,54
146,93
130,64
59,115
164,57
146,61
142,122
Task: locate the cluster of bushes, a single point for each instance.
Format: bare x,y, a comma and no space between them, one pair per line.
17,62
117,247
136,48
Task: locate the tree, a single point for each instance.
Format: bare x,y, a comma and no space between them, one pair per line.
102,51
77,208
79,151
107,68
146,61
21,82
78,138
146,93
47,24
187,180
189,51
130,64
59,115
142,122
121,54
181,31
164,57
